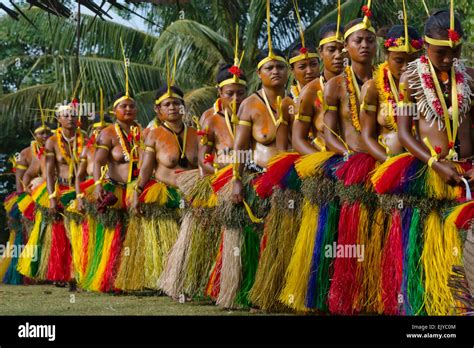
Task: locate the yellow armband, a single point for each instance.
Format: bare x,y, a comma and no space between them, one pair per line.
368,107
21,166
330,107
303,118
105,147
150,149
244,123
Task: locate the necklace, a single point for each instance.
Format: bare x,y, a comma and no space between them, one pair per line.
183,161
130,148
71,157
272,112
352,89
388,94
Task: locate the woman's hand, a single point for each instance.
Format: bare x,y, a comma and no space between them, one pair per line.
237,192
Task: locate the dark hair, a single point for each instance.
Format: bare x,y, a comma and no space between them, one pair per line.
224,73
38,124
328,28
399,31
264,54
438,24
164,89
294,49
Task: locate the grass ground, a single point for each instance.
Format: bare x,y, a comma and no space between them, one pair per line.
51,300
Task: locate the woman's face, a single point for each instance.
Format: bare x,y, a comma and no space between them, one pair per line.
442,57
306,70
231,91
42,136
398,62
362,46
273,74
331,55
126,111
170,109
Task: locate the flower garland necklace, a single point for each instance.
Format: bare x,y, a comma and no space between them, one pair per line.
352,95
431,100
75,151
37,149
71,158
388,94
130,145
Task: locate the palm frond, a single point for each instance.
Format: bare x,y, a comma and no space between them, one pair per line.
19,110
200,50
198,101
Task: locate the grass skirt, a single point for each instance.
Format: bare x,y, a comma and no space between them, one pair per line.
240,243
418,257
47,255
106,232
314,170
149,238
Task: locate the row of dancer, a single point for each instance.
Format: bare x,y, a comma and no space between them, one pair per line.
349,195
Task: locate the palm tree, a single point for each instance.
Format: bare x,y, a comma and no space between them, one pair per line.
203,40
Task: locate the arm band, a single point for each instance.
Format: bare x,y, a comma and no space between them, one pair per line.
303,118
105,147
368,107
330,107
244,123
150,149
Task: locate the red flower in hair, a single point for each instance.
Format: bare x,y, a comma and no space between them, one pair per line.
303,50
417,44
453,35
367,11
390,42
234,70
438,149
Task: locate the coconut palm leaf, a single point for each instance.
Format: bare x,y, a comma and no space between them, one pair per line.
198,101
200,51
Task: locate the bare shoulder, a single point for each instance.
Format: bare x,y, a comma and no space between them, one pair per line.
206,114
192,131
287,102
311,89
26,151
369,89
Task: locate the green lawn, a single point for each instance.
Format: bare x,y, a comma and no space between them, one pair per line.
51,300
